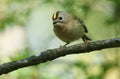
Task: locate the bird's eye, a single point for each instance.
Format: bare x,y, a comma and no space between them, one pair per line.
60,18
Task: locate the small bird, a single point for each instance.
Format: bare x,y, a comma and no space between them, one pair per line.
68,27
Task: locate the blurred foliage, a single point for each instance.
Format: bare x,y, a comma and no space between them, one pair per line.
116,17
14,12
107,12
22,54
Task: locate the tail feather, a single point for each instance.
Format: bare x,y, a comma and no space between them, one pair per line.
85,38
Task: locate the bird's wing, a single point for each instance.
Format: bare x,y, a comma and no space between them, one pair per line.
83,25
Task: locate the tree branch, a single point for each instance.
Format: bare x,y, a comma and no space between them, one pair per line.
51,54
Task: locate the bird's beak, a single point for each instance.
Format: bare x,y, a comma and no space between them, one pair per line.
54,22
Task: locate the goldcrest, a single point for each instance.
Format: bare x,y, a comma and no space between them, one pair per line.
68,27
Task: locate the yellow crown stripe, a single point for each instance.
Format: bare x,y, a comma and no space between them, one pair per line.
55,15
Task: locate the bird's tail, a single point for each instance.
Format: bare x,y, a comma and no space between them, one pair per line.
86,38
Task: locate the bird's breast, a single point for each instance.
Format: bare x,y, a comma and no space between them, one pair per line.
68,33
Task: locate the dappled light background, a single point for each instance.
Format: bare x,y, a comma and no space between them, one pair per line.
26,29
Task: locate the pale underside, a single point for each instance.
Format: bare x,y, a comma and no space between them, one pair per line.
69,32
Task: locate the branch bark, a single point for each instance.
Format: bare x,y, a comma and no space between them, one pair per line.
51,54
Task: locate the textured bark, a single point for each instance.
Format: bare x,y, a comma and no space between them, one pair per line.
51,54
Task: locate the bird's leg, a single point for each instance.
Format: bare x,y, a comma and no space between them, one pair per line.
64,45
86,43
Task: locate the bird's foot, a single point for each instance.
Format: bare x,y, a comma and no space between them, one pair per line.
63,46
87,45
